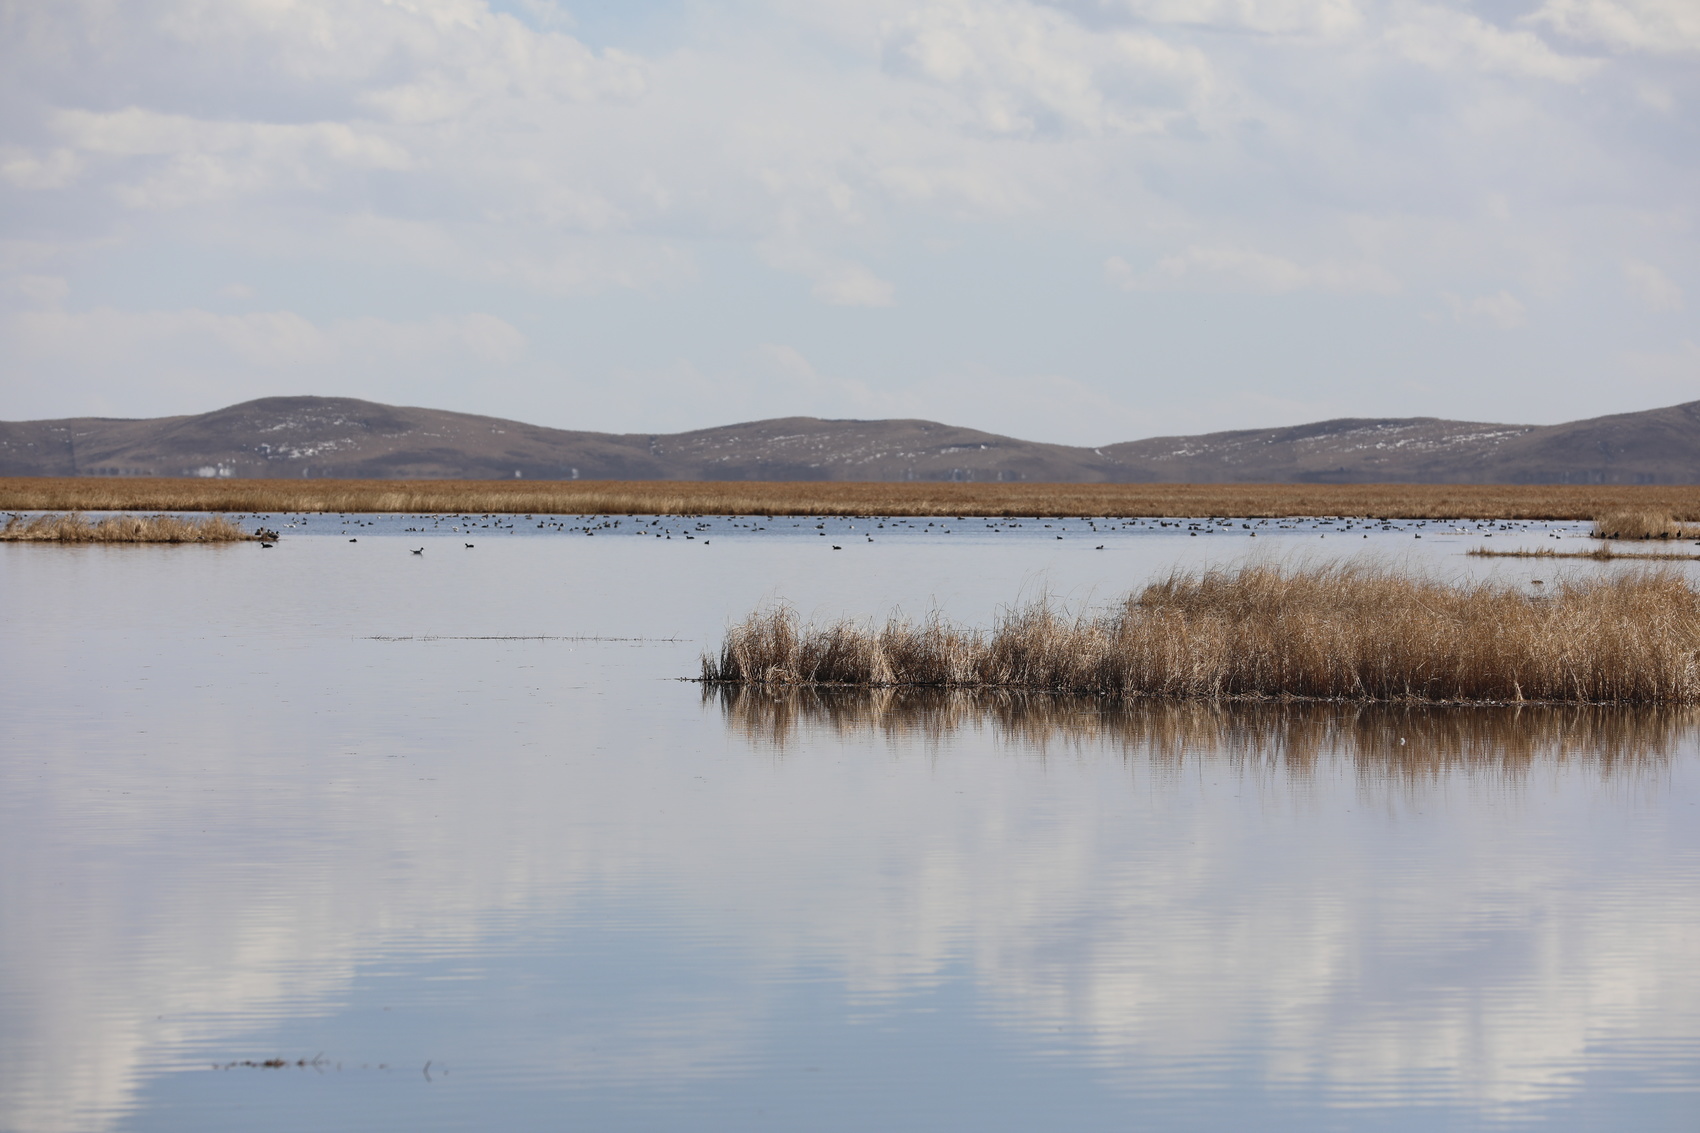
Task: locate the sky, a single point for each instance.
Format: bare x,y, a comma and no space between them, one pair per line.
1078,221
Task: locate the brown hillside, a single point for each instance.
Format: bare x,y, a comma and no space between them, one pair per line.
344,438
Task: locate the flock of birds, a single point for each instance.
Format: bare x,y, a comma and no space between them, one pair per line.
698,529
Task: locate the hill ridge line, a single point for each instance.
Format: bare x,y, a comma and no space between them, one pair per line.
349,438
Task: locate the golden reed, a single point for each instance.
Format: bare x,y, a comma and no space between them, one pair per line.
1346,631
1642,523
663,497
122,529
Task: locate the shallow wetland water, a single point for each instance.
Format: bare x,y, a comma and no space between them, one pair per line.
448,831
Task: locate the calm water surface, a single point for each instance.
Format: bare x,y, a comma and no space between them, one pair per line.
449,829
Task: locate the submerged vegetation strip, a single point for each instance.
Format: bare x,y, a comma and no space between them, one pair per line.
1598,554
125,529
658,497
1337,632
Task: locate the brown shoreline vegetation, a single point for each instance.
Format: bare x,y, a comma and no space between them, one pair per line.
1408,740
660,497
1345,631
75,528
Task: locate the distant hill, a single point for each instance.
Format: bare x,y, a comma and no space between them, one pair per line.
345,438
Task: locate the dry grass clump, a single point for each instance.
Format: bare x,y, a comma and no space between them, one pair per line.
1642,523
1404,741
75,528
1345,631
661,497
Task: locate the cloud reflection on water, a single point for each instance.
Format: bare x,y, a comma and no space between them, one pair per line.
1394,961
233,832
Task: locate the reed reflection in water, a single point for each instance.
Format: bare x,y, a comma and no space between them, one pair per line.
1399,741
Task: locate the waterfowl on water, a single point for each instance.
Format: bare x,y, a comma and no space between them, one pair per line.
420,551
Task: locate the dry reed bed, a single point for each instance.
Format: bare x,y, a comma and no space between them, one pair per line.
1401,740
1339,632
608,497
1642,523
122,529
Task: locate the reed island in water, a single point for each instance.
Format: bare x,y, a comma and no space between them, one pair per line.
75,528
1346,631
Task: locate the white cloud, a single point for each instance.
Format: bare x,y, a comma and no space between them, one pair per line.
828,396
37,290
1677,370
781,379
199,358
1025,69
852,285
1671,374
548,261
1657,27
1439,37
1049,403
842,283
1274,17
53,169
890,154
1653,287
1233,268
1501,309
134,132
1119,273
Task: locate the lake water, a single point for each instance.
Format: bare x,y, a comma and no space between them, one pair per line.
449,831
